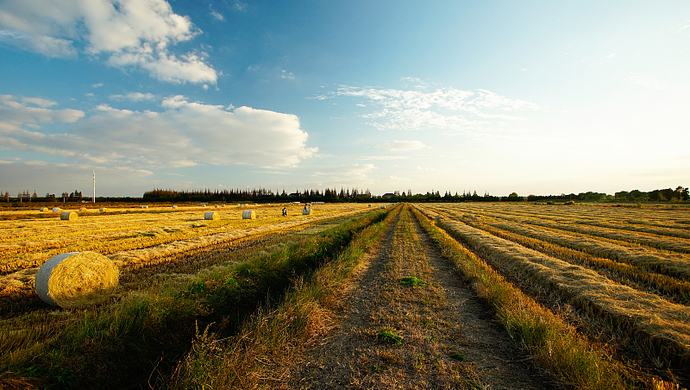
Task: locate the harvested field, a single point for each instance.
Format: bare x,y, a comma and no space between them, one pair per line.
615,273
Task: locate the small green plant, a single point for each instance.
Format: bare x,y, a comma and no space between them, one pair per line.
389,337
458,356
412,281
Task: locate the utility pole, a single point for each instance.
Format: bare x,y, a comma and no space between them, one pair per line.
94,186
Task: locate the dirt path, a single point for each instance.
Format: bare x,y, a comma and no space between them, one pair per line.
434,335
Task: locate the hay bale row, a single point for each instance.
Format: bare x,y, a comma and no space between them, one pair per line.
76,279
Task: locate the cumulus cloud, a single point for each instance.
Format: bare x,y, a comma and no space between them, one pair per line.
400,146
17,111
424,108
182,134
135,33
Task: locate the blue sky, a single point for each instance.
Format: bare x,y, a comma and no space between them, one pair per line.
536,97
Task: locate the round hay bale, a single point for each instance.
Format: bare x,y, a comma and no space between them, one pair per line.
56,209
383,207
103,209
76,279
211,215
43,209
174,207
143,206
82,208
306,211
68,216
248,214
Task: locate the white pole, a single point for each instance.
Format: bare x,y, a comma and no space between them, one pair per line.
94,186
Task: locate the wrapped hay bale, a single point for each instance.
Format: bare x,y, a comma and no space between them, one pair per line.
56,209
174,207
248,214
76,279
306,211
43,209
211,215
383,207
68,216
103,209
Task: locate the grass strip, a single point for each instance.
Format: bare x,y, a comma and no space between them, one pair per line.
261,354
554,343
123,344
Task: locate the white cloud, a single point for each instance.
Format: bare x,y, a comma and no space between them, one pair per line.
183,134
217,15
443,108
127,32
400,146
133,96
284,74
16,111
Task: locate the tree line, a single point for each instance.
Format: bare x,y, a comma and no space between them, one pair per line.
262,195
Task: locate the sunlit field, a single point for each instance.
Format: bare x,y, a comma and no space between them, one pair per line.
620,275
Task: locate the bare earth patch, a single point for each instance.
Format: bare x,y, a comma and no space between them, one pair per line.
409,321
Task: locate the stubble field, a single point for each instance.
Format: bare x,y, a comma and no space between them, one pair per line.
538,296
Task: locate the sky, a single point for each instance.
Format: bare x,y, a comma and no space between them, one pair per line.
533,97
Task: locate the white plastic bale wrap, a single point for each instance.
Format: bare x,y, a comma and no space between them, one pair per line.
306,212
248,214
76,279
211,215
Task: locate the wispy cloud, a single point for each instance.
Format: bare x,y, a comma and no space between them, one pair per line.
217,15
424,108
127,34
133,96
401,146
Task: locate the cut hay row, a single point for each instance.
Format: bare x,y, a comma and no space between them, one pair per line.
676,290
673,244
656,222
154,255
663,327
672,264
113,233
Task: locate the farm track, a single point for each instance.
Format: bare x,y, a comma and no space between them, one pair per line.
449,336
638,325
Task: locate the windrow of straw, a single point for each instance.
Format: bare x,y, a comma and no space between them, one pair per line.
674,244
672,264
677,290
664,326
